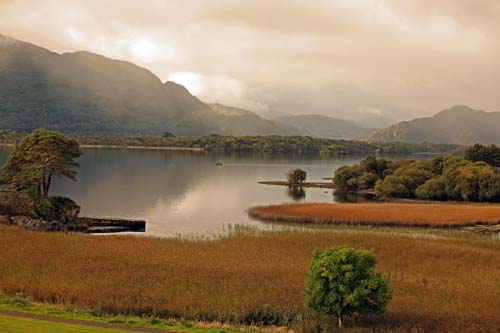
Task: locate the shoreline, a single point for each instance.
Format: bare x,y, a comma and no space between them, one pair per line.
305,184
85,146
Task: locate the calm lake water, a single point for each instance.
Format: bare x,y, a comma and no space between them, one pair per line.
180,192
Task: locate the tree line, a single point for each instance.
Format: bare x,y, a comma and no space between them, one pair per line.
476,177
260,144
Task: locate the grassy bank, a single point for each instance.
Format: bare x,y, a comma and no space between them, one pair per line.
441,285
427,215
45,317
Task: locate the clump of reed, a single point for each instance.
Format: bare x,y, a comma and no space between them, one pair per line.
440,285
424,215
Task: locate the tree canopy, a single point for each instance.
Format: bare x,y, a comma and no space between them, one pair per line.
343,281
443,178
38,158
485,153
296,176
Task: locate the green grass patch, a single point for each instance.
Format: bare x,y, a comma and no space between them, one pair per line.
25,305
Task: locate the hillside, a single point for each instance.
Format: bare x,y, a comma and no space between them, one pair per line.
83,93
247,122
324,127
458,125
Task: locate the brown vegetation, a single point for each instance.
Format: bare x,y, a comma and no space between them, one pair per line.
440,284
382,214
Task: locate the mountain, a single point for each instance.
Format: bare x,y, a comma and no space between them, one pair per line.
82,93
458,125
324,126
374,122
248,122
271,114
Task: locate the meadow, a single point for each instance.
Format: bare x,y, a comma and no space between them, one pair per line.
440,284
427,215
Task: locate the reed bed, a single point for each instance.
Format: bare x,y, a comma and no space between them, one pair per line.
443,285
425,215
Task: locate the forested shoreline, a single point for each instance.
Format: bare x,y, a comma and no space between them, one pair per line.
264,144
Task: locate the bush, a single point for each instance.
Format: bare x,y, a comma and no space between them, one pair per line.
60,209
342,281
392,186
433,189
296,176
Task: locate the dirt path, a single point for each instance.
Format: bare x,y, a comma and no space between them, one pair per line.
81,322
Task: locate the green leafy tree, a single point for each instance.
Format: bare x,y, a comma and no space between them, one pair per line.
296,176
392,186
433,189
342,281
38,158
485,153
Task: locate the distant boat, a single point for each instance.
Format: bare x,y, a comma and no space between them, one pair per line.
219,164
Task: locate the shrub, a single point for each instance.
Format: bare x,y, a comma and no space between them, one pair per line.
296,176
392,186
342,281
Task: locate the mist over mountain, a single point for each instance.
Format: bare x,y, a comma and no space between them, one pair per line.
324,127
83,93
460,125
243,122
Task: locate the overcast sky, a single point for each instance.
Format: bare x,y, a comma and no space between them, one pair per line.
345,58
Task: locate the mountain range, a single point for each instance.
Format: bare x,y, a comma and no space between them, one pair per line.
83,93
460,125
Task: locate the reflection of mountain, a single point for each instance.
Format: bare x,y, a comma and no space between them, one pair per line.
129,183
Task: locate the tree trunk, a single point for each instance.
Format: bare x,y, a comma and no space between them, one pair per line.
39,190
47,186
340,324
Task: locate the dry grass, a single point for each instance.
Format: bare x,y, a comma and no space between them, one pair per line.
382,214
441,285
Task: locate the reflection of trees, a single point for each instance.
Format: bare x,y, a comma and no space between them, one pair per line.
296,193
346,197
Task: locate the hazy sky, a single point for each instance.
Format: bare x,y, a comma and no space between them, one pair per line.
346,58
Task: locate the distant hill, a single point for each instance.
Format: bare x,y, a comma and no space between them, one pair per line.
271,114
374,122
458,125
324,127
83,93
248,122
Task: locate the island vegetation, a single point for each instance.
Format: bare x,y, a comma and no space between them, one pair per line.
448,178
259,144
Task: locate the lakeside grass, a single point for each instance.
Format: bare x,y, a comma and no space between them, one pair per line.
423,215
10,324
75,316
440,285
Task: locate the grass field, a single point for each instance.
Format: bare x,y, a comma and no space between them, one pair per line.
441,284
9,324
382,214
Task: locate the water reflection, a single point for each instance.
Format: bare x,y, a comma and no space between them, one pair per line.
187,192
297,193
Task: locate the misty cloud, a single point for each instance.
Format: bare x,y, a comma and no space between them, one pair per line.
344,58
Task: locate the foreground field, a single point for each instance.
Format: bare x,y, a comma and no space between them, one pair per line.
382,214
441,284
9,324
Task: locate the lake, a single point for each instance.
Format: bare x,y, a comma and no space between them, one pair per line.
183,192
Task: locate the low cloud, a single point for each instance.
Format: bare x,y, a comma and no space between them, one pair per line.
407,58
